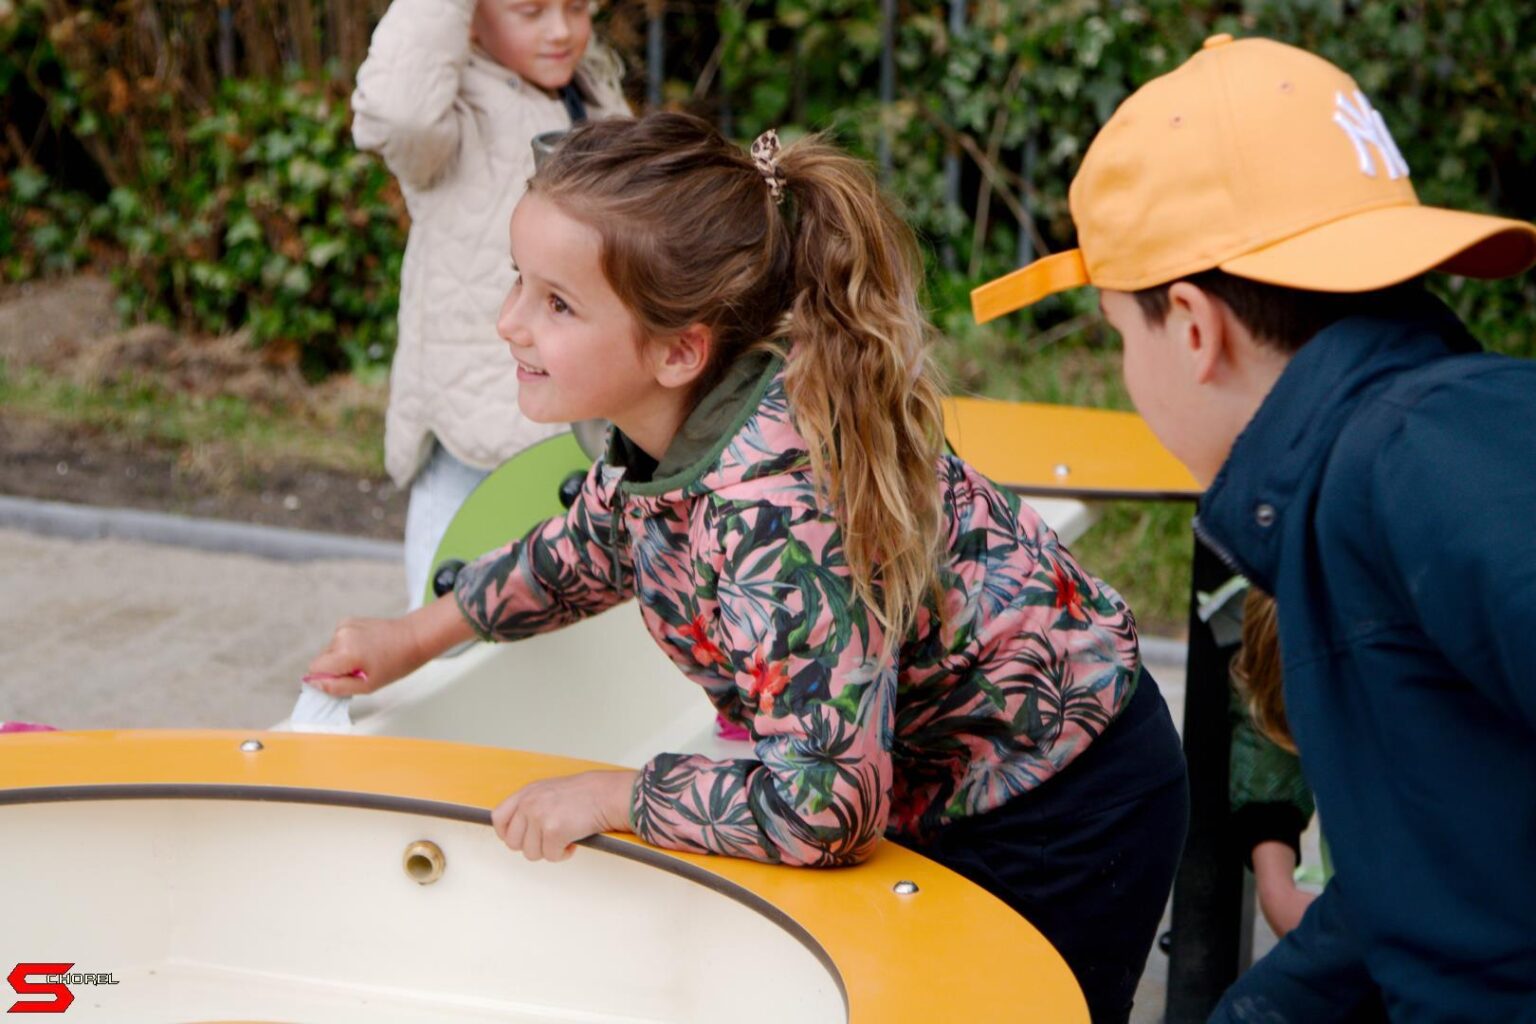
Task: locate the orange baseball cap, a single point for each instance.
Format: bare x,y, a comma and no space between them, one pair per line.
1267,162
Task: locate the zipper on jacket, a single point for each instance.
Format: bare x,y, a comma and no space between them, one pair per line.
1227,558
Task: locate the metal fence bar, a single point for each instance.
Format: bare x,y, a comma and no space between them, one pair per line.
887,81
957,20
226,42
655,52
1026,175
1212,928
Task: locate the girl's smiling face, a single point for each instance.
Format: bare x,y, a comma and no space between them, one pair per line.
580,352
542,41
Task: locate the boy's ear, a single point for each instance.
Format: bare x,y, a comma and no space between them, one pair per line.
1197,322
680,358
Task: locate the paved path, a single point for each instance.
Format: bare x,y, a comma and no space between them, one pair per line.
113,634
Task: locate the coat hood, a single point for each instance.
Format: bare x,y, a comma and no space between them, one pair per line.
740,432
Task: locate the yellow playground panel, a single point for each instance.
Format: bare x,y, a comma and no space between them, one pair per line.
1093,454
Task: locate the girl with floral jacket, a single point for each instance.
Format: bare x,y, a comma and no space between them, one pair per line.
911,649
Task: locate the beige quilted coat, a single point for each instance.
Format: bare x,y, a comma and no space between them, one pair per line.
455,126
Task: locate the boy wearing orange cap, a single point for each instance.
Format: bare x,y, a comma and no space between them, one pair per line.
1252,229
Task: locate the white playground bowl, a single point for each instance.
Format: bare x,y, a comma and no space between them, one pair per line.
205,909
219,876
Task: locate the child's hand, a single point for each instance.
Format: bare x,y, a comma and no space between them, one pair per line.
543,820
363,655
1283,906
1274,875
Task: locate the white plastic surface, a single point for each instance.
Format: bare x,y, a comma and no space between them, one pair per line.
223,910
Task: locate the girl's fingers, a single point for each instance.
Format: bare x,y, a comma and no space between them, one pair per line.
328,677
502,816
530,823
532,843
321,683
516,835
555,850
335,663
348,685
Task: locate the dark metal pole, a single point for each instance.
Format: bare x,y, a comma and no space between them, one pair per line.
957,13
226,42
1212,899
1027,173
887,81
655,52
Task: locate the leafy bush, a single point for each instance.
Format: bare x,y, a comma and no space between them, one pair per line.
44,230
1022,87
247,203
241,205
270,219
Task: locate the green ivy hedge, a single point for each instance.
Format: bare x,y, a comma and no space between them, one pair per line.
250,210
1026,84
273,221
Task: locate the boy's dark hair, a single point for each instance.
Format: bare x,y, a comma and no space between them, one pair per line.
1286,318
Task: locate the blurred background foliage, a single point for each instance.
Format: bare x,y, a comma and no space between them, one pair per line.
199,151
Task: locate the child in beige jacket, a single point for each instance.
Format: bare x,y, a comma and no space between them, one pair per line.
451,95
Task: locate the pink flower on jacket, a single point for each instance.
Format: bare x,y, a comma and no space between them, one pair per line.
705,651
767,681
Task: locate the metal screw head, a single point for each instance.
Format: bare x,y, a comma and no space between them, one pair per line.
1062,470
251,746
904,888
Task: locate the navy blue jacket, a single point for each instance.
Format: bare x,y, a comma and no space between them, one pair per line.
1385,494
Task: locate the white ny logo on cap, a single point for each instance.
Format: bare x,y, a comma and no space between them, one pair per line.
1363,124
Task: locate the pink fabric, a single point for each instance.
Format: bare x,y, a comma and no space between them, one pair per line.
742,580
25,727
729,730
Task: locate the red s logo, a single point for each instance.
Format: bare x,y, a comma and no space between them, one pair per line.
61,994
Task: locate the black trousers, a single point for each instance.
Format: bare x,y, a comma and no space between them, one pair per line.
1089,856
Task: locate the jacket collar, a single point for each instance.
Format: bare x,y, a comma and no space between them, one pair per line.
740,429
1278,459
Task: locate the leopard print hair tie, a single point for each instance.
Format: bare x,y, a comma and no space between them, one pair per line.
765,154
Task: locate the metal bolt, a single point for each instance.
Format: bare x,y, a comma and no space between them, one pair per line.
1062,470
251,746
904,888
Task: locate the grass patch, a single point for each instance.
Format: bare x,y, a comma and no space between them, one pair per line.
219,437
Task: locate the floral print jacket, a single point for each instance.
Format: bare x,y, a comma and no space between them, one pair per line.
741,578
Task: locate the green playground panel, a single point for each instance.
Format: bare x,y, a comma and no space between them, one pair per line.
520,493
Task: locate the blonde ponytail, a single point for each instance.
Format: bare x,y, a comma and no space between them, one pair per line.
860,380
